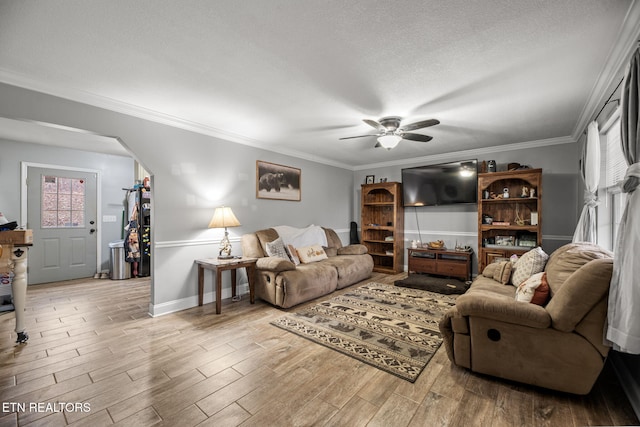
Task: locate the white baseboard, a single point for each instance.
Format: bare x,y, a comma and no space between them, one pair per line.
192,301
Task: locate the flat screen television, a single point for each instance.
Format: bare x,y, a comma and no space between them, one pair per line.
442,184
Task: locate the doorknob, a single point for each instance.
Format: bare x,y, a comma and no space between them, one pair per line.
93,230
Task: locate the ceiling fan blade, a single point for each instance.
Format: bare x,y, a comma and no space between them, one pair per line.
420,125
375,125
359,136
417,137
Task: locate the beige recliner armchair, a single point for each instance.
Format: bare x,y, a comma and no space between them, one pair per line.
557,346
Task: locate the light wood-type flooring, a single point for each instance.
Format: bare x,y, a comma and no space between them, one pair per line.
96,358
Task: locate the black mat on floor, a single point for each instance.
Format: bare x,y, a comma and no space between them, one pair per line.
441,285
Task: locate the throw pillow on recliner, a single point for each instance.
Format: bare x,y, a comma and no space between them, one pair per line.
527,265
534,290
499,271
276,249
310,254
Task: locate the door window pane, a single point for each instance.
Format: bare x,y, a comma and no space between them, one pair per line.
63,202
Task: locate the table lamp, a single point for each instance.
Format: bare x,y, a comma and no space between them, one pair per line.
223,217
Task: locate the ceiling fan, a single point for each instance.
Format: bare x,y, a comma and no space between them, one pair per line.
390,133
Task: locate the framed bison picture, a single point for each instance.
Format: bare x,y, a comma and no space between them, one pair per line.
277,182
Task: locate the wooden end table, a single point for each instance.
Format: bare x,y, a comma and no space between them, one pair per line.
220,265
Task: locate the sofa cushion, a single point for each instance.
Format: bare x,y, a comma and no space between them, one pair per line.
534,290
306,282
580,293
353,250
528,264
274,264
565,260
498,271
351,268
293,254
309,254
276,249
330,251
266,236
332,238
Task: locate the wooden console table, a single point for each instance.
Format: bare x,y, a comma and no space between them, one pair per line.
441,262
220,265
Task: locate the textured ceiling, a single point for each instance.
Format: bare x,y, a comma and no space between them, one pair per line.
294,76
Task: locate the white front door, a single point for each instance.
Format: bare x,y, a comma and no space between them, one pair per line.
61,211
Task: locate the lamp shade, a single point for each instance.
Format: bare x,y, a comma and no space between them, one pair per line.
389,141
223,217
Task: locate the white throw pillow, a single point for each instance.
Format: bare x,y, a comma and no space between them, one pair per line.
527,265
310,254
276,249
534,290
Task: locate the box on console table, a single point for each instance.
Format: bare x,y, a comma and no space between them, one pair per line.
16,237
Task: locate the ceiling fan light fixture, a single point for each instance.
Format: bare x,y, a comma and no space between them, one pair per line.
389,141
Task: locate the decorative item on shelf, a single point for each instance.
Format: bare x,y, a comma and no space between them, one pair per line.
519,220
487,219
513,166
485,194
223,217
491,166
388,239
528,241
505,240
505,193
534,218
525,191
462,248
532,193
437,244
370,179
414,244
383,179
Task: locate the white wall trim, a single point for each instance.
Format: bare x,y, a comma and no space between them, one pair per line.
475,234
443,233
192,301
22,81
206,242
476,152
193,242
24,167
110,104
621,51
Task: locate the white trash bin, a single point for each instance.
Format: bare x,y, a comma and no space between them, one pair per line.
120,269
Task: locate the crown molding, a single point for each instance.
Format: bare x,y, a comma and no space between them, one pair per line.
110,104
614,67
84,97
476,152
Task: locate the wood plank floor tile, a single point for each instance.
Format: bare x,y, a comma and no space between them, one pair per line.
93,341
355,413
397,411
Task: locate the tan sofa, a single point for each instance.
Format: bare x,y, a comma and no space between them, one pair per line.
283,284
557,346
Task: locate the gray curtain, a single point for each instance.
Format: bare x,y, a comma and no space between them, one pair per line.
623,330
590,170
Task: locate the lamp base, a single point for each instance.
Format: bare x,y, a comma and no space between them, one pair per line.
225,257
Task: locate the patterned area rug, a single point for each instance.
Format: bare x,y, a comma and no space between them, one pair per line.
392,328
